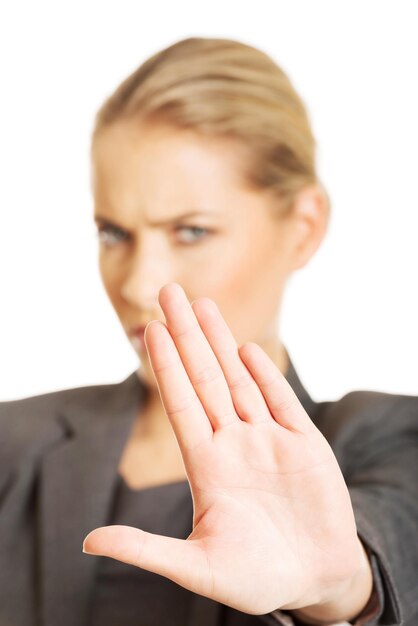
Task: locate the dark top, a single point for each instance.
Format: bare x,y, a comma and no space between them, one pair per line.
132,596
59,459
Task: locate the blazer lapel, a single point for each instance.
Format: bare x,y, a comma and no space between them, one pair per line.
77,478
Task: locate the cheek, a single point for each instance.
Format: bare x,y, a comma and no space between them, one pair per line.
110,277
247,286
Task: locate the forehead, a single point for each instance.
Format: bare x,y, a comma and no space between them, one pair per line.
164,169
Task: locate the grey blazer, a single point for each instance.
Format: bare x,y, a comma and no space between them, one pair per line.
59,454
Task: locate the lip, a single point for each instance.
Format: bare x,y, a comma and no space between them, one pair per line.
136,337
138,330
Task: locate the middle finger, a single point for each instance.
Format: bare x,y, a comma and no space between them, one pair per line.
246,395
199,360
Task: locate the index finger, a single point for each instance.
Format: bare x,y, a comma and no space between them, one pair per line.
181,404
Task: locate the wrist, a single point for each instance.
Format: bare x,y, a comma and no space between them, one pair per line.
345,602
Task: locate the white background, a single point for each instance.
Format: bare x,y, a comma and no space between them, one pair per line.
350,317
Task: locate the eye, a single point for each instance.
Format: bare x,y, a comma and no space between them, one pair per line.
107,234
191,234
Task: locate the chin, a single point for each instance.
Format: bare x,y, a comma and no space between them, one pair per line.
145,373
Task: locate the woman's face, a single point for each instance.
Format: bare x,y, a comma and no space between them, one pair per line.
170,207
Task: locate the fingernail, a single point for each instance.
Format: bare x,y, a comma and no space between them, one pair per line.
86,551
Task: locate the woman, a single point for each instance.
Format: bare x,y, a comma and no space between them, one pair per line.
238,499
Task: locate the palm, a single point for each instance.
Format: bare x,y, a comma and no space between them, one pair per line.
272,514
257,510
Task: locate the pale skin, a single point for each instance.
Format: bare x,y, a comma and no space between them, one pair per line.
273,525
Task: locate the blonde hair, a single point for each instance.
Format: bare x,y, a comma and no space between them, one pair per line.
225,88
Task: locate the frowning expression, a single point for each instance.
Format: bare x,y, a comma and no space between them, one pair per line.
170,205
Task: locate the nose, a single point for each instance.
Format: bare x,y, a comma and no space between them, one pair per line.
149,268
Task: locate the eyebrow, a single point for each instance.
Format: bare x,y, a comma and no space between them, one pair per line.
171,220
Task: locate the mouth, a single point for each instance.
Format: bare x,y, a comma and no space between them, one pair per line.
136,337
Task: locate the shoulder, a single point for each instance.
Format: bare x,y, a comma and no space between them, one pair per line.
39,408
365,409
366,423
27,422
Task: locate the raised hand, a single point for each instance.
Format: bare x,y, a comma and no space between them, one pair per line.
273,525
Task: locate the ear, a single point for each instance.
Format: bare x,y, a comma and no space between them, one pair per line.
310,217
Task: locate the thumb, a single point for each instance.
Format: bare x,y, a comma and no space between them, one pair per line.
183,561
